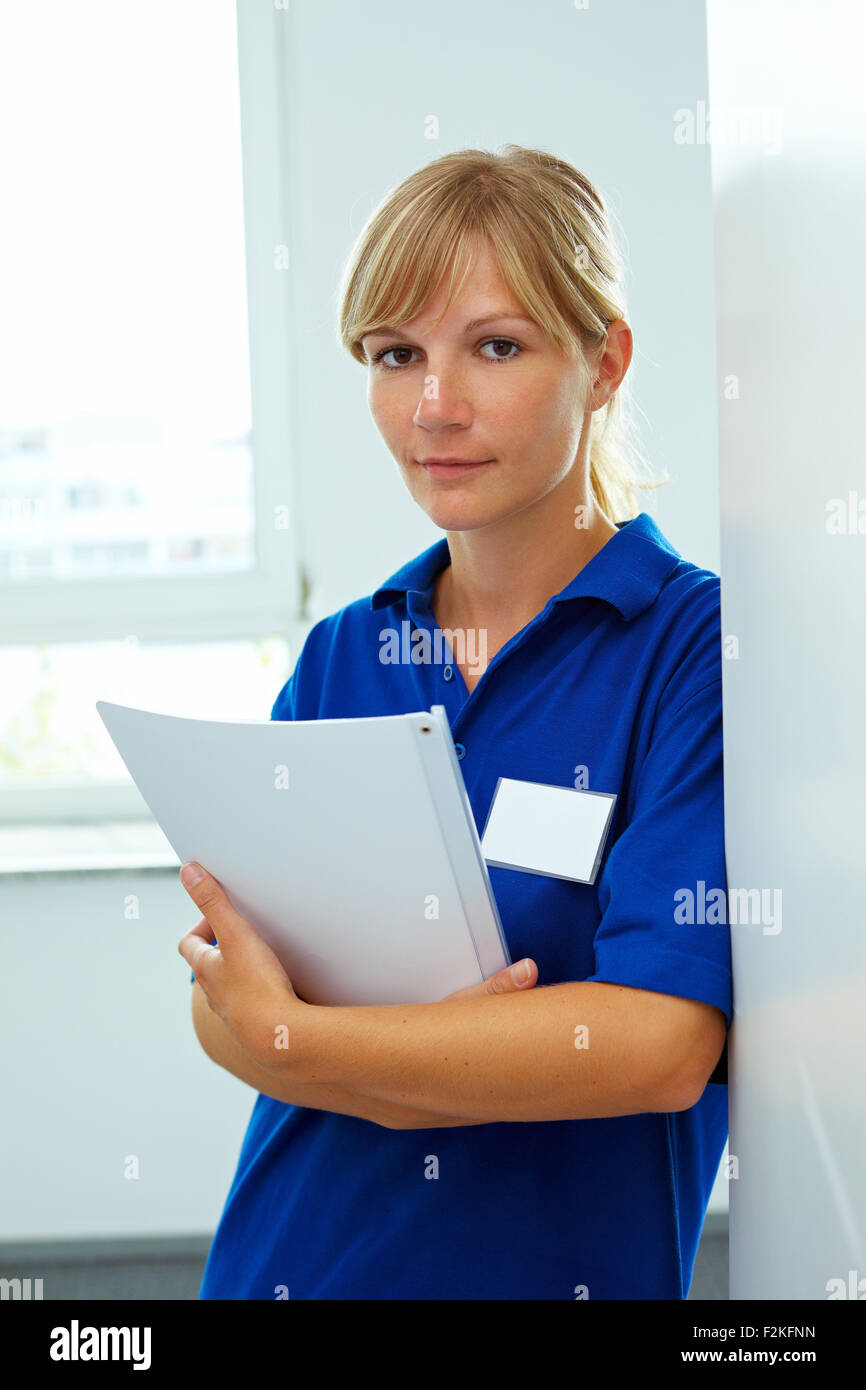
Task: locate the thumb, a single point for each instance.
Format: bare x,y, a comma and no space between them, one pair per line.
240,946
211,898
237,938
507,981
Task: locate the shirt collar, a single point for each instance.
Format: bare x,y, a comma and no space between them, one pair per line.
628,571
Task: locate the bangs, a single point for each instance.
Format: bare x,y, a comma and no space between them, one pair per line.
405,262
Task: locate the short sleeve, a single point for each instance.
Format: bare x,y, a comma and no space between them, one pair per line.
284,704
283,708
663,888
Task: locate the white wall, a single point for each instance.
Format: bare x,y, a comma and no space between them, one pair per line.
790,228
98,1056
599,87
100,1062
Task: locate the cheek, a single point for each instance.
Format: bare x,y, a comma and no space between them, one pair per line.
384,409
372,399
543,440
538,426
554,421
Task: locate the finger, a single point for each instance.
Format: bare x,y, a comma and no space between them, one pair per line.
211,898
197,951
507,981
203,929
242,950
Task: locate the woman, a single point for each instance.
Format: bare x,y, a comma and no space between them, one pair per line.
570,1131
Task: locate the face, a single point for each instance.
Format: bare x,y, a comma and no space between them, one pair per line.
500,394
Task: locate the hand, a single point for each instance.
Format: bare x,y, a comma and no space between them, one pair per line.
505,981
247,987
242,979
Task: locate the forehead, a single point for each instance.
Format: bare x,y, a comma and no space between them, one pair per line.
484,296
484,291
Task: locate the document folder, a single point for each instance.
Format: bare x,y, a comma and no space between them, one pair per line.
349,844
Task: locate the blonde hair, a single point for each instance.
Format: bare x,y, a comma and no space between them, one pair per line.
550,231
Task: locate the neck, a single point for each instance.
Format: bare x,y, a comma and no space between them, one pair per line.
504,575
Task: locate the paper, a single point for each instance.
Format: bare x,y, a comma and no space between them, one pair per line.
348,843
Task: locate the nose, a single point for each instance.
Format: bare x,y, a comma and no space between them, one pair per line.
442,402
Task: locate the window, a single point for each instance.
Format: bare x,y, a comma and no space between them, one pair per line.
147,530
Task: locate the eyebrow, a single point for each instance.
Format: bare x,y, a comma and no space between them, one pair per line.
390,329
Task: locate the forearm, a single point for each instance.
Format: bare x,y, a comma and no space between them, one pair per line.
222,1048
521,1057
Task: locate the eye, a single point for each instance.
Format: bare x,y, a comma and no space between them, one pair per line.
509,342
378,360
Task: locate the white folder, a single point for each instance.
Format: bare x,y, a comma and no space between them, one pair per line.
349,844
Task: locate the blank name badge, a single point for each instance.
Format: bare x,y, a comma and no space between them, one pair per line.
545,829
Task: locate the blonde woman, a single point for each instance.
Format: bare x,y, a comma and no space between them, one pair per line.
554,1133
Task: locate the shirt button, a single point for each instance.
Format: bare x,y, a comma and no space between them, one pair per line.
447,673
459,750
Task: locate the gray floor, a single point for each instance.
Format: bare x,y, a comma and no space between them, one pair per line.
172,1269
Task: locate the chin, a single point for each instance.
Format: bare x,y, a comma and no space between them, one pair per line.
465,518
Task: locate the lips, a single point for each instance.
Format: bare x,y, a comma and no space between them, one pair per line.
451,468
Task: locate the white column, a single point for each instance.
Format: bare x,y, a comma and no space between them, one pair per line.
787,100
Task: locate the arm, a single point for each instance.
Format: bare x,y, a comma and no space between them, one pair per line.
581,1050
517,1058
221,1047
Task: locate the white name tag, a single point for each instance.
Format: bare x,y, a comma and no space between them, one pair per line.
545,829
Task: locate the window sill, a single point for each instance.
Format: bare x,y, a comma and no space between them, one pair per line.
102,846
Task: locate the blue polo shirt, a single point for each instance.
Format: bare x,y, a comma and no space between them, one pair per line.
614,686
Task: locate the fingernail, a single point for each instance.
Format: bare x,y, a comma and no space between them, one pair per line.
191,873
520,973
